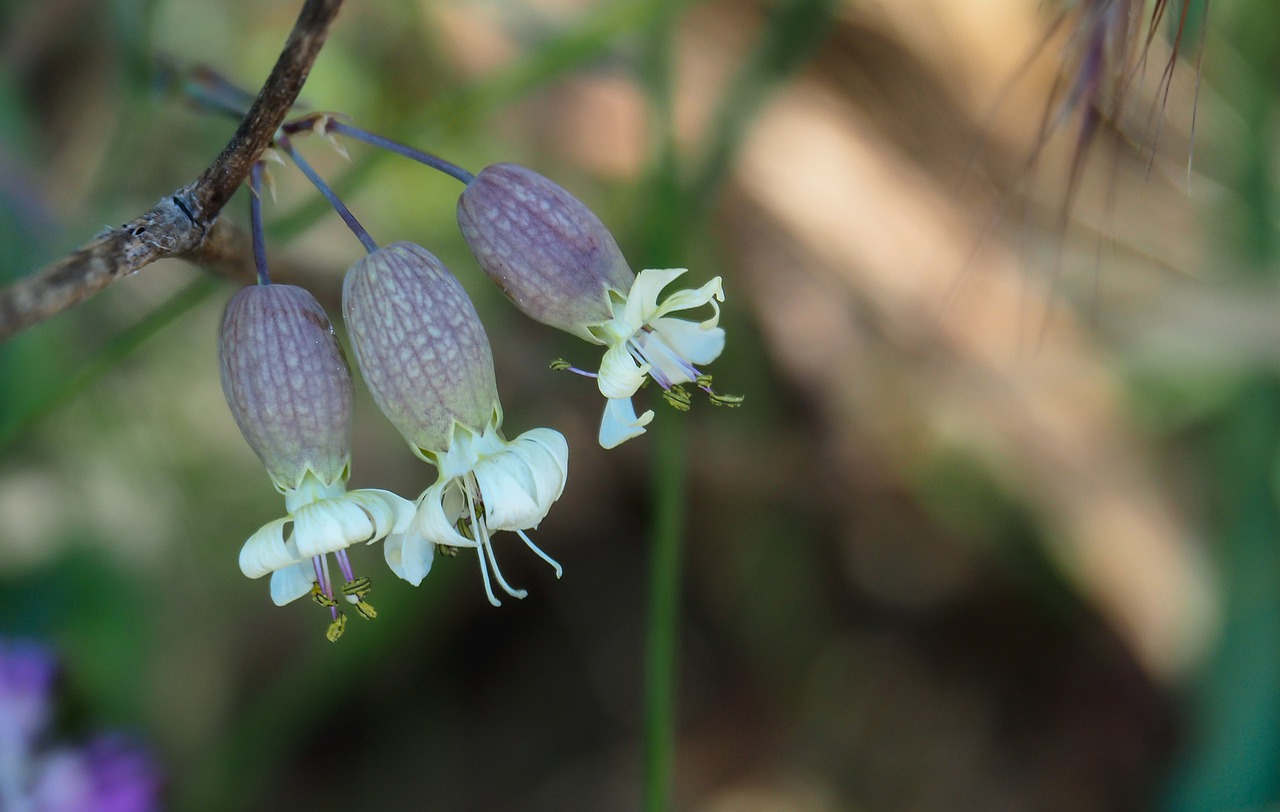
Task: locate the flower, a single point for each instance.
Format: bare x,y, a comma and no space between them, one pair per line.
288,386
558,263
109,774
425,357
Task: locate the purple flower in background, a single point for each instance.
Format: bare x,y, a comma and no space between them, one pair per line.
109,774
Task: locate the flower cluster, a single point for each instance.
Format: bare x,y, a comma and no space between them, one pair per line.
108,774
427,361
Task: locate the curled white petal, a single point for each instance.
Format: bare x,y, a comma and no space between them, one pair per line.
620,423
330,525
389,512
267,550
712,293
409,555
292,582
547,453
691,341
509,493
642,299
620,374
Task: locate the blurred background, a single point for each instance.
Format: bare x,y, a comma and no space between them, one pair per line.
996,527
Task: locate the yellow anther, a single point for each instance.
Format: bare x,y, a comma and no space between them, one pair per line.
319,597
731,401
677,397
359,587
366,610
336,628
447,551
561,365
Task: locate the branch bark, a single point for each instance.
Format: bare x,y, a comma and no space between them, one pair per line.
179,225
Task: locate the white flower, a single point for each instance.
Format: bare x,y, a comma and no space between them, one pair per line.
558,263
485,484
325,519
642,340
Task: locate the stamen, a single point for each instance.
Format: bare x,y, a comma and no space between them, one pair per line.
652,339
703,382
555,564
497,572
484,567
561,365
344,564
678,398
336,628
728,401
320,598
359,587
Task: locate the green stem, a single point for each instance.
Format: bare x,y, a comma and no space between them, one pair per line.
669,479
666,237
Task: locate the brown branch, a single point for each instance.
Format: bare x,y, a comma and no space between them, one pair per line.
179,224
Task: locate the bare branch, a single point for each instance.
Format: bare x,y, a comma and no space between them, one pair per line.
179,224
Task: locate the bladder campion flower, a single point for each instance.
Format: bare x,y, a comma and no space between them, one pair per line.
289,389
558,263
425,357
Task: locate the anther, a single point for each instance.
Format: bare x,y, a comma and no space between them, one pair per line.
729,401
677,397
317,595
336,628
358,587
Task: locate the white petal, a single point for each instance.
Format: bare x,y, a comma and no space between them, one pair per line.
409,555
508,488
547,453
267,551
709,294
642,299
620,422
291,583
330,525
620,375
390,513
667,367
438,511
556,446
691,341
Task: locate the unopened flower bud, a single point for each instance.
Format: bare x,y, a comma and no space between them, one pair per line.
287,383
546,250
420,345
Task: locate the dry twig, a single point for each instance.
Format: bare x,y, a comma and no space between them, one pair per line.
181,224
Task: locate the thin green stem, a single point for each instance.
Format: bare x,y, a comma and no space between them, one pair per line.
666,236
669,480
255,222
329,195
424,158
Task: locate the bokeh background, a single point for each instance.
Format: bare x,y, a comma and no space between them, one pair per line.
995,529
